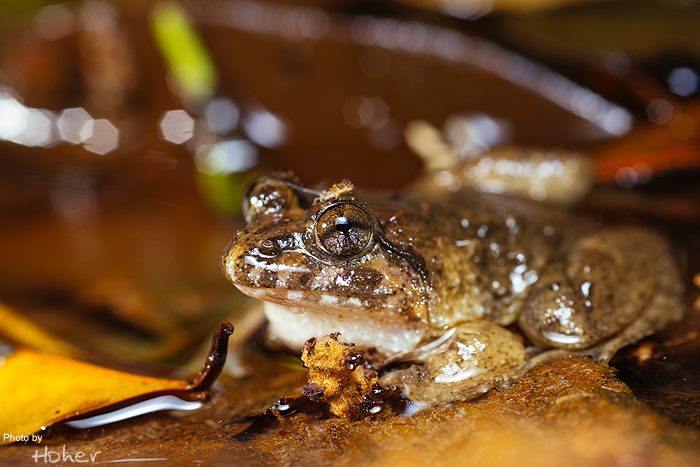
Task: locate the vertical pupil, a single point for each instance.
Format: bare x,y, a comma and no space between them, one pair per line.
342,224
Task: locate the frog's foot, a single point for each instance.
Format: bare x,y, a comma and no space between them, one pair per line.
615,287
465,363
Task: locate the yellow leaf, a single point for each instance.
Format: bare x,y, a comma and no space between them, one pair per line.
39,389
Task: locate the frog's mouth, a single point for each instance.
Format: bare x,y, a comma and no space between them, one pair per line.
310,300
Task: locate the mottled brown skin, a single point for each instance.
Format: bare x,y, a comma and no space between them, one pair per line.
397,272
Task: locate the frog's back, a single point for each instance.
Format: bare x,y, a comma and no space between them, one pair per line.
480,253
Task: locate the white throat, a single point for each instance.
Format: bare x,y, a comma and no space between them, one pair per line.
294,326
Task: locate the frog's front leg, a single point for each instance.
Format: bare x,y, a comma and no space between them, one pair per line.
460,364
612,288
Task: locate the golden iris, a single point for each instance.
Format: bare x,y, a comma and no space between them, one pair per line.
344,230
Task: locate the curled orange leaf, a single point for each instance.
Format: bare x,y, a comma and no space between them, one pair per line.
38,389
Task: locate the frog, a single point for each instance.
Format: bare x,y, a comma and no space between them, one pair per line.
450,292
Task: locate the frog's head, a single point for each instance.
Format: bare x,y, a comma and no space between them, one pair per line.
319,253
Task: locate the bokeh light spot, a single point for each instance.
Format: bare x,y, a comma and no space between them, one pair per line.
474,133
627,177
53,22
74,125
222,115
265,128
386,137
684,81
538,193
104,138
360,111
618,63
97,15
660,111
13,117
176,126
226,157
40,129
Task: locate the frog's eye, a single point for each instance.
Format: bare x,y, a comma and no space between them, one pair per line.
268,194
344,230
